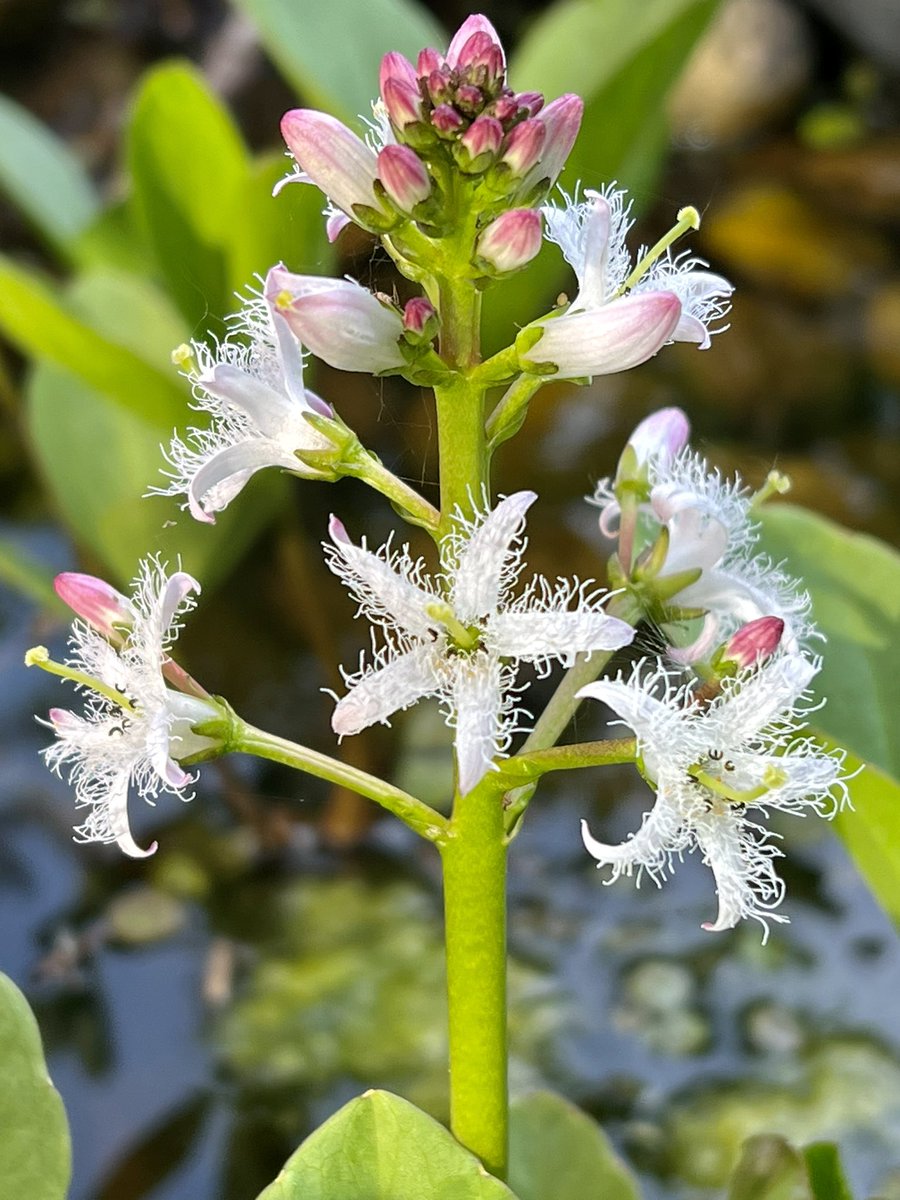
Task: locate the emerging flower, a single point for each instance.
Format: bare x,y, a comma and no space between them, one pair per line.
622,315
705,523
710,765
135,728
460,636
252,386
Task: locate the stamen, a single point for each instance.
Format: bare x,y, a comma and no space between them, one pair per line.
777,484
688,218
466,637
772,778
183,357
39,656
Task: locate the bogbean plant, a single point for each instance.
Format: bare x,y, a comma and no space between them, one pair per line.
456,178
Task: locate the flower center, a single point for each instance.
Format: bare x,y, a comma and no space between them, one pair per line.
463,637
711,773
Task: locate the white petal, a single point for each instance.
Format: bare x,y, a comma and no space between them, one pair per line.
592,275
661,834
388,689
266,408
535,635
661,727
696,539
478,705
616,337
222,476
746,882
487,561
748,705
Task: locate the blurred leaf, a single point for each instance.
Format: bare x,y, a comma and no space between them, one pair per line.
35,1154
286,228
623,59
826,1177
854,583
557,1152
43,178
189,168
330,52
42,324
159,1154
383,1148
24,575
99,458
769,1169
113,240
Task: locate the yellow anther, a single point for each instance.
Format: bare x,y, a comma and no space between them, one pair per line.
183,357
689,216
284,299
37,656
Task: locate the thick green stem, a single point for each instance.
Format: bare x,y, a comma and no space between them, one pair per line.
418,815
460,403
474,860
413,506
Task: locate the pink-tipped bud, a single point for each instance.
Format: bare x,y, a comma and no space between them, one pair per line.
429,60
335,159
562,120
524,146
660,436
403,102
396,67
481,143
439,85
459,45
481,58
469,99
504,108
104,609
420,320
532,102
404,177
511,241
337,530
753,643
446,120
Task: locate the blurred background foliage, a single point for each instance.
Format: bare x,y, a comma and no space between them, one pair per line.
138,150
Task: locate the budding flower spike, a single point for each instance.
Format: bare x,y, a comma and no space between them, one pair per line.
712,764
135,729
622,314
461,635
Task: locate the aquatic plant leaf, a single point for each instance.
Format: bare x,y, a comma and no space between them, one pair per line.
27,576
854,583
558,1153
189,166
380,1147
769,1169
43,178
99,454
331,52
623,59
826,1176
35,1153
45,326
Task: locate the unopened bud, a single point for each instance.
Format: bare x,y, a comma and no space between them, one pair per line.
420,321
511,241
659,437
98,603
402,101
439,86
446,120
532,102
404,177
481,60
479,145
753,643
394,66
469,99
428,61
523,147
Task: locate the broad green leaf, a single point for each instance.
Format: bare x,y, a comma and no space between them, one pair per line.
43,178
114,240
189,168
47,327
379,1147
854,583
557,1152
826,1176
35,1155
330,52
769,1169
99,459
19,571
286,228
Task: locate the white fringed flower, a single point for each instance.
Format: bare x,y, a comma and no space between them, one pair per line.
251,384
461,635
710,765
134,728
622,315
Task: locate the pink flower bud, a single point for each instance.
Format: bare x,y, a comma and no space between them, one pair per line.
511,241
104,609
420,319
483,136
404,177
660,436
469,99
524,145
440,85
562,120
395,66
504,108
446,120
472,25
403,102
532,102
753,642
481,58
334,158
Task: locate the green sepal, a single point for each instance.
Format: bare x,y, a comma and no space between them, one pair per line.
667,586
376,221
653,559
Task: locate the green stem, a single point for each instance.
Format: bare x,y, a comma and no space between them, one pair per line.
417,815
474,861
413,506
460,403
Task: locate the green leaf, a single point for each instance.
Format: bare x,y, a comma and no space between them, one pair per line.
23,574
826,1177
114,240
769,1169
854,583
35,1155
189,167
47,327
286,228
99,459
379,1147
558,1153
43,178
331,52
